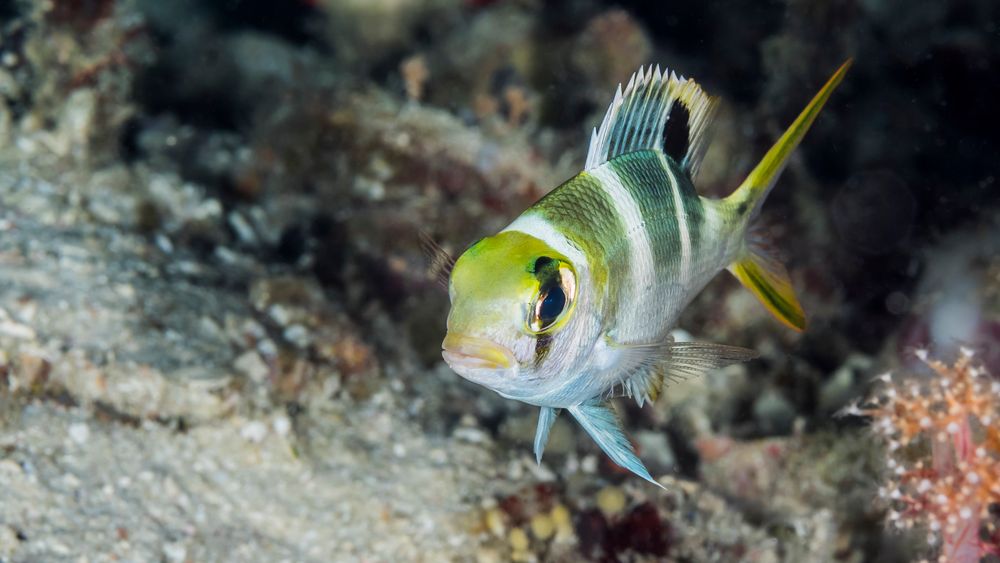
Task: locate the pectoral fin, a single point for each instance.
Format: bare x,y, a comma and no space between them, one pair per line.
652,364
693,359
601,422
546,417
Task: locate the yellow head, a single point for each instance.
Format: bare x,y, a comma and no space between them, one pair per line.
514,301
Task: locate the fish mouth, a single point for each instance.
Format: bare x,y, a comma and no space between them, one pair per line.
470,353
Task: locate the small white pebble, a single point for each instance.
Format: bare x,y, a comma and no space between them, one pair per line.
931,539
572,465
986,420
298,335
71,481
471,435
541,472
254,431
895,495
952,428
515,471
923,486
965,513
164,244
941,499
922,354
438,456
588,464
78,432
282,426
925,422
972,477
934,525
174,552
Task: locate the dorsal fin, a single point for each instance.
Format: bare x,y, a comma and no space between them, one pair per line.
638,116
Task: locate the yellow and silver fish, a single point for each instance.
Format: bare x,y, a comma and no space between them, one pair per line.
576,298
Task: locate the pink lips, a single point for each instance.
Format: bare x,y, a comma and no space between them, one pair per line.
470,352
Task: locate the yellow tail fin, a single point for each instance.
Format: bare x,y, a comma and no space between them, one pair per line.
762,275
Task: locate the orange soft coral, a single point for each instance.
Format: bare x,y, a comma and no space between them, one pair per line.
943,443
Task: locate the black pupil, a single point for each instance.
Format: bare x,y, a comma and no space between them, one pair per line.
552,305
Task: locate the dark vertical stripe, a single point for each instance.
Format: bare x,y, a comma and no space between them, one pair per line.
644,175
693,207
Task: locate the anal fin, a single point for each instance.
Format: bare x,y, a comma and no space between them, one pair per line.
601,422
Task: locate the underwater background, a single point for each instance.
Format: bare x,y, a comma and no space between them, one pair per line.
220,338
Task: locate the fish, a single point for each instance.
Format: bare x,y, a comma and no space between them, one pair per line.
573,304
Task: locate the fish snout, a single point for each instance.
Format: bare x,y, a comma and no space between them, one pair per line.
464,353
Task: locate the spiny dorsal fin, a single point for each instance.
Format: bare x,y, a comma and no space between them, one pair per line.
638,119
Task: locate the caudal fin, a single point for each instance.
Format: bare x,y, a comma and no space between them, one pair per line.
759,272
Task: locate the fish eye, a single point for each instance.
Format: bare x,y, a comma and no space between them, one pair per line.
555,295
549,307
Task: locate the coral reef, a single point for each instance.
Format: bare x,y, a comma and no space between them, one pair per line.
219,339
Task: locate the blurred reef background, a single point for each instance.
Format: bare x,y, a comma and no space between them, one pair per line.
219,340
